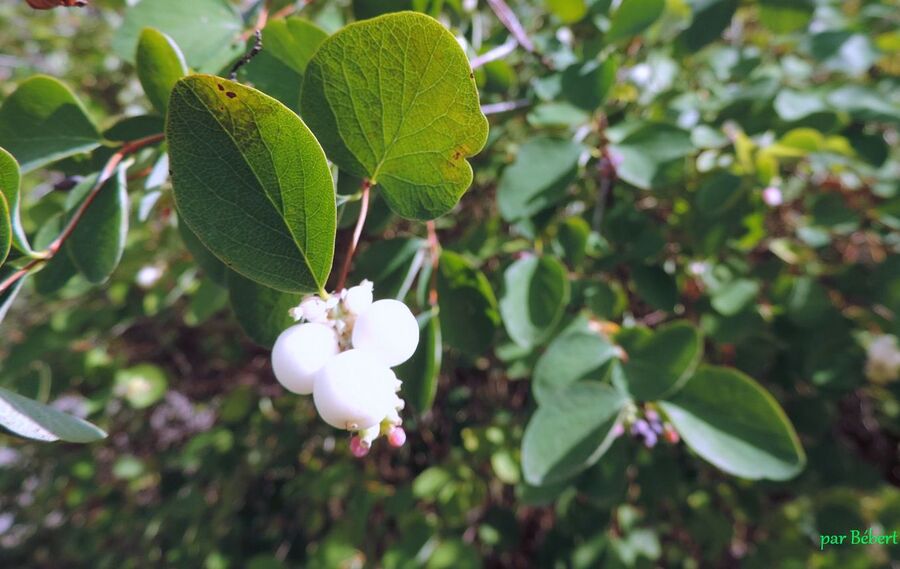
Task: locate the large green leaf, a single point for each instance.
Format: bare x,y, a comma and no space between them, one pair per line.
735,424
206,30
5,229
293,41
393,99
569,432
632,17
252,183
661,364
261,311
212,267
160,64
573,356
535,293
98,241
42,122
420,373
544,167
469,317
9,187
34,420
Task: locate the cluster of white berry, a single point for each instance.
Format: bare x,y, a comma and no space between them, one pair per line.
342,353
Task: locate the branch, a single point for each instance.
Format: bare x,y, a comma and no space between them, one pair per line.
508,18
357,232
498,52
435,246
105,174
254,51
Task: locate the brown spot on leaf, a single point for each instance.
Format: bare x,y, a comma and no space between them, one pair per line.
221,88
231,95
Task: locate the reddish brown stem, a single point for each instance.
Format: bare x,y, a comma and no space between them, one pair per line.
357,233
435,245
105,174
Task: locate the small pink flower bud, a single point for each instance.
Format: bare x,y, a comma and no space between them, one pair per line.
671,434
396,437
618,430
358,447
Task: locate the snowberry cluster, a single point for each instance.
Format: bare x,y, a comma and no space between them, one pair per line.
648,429
342,353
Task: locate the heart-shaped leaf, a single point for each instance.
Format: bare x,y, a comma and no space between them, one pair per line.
535,294
393,99
9,187
420,373
252,183
42,122
160,64
538,178
569,432
661,364
34,420
207,31
98,241
469,317
735,424
261,311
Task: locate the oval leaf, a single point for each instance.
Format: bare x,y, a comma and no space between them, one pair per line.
98,241
735,424
212,267
662,364
469,317
9,187
261,311
538,178
34,420
42,122
632,17
206,30
160,64
574,356
57,271
252,183
535,294
569,432
393,99
293,41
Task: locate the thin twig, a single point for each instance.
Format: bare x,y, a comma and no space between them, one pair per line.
435,246
105,174
505,106
254,51
508,18
498,52
357,232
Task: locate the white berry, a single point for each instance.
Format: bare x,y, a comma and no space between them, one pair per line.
300,352
388,329
359,298
354,391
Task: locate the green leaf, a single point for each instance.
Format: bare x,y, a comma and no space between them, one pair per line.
387,264
9,187
587,84
252,183
647,150
420,373
56,272
632,17
141,385
661,364
544,167
212,267
393,99
5,229
568,11
718,193
655,286
735,424
160,64
42,122
569,432
535,294
574,356
733,297
261,311
711,17
34,420
206,30
98,241
468,307
293,41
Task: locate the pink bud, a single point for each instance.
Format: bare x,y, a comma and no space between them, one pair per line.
772,196
671,434
618,430
396,437
358,447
